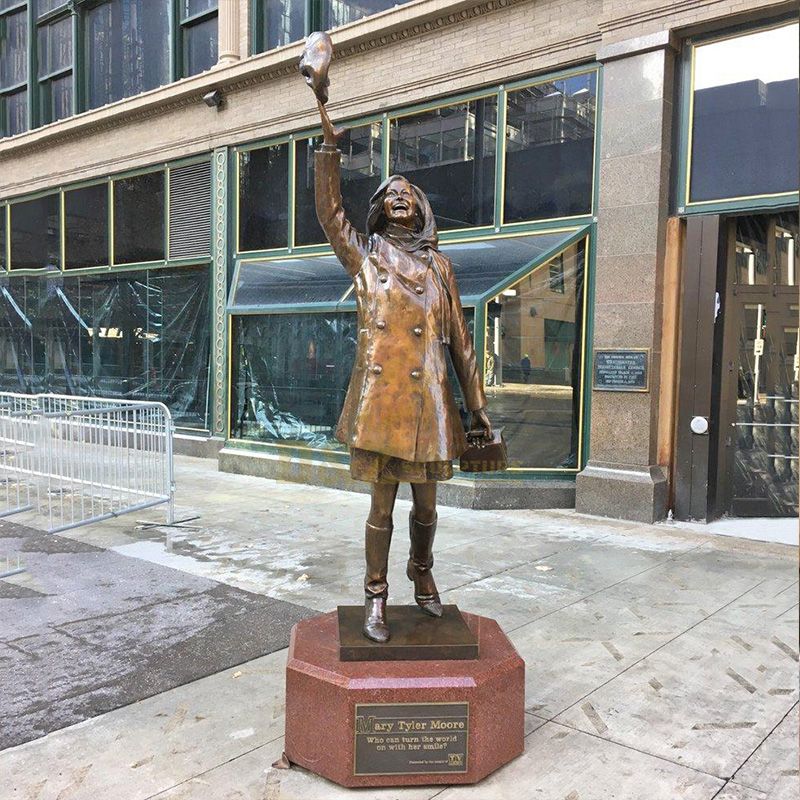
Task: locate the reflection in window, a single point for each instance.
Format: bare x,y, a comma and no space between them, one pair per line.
766,250
54,56
340,12
13,70
127,49
35,233
86,227
534,341
3,239
141,335
19,299
139,219
199,33
550,149
744,136
290,375
264,197
361,175
280,22
450,154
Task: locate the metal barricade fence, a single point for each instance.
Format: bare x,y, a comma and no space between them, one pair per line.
93,458
17,444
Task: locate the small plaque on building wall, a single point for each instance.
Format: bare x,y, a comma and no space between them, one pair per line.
411,738
622,370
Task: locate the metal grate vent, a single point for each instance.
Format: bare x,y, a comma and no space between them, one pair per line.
190,211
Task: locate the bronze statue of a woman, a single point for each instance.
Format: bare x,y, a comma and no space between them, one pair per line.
399,419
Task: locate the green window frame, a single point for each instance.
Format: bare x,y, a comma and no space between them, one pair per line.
46,110
683,202
13,92
187,20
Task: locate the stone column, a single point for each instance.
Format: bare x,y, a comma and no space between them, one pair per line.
623,478
228,19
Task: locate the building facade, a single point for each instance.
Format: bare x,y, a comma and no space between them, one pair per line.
615,181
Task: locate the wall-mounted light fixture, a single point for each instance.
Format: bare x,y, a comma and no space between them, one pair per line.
214,99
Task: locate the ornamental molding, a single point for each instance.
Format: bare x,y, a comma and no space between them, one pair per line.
219,289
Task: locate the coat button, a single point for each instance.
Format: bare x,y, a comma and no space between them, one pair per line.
380,324
418,331
383,277
419,290
377,369
415,373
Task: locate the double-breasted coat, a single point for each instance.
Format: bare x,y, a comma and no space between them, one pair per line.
399,402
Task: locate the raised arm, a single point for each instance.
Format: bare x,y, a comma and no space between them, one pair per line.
349,245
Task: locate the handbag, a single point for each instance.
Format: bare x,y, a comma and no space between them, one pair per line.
484,454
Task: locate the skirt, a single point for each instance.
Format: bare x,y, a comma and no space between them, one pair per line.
365,465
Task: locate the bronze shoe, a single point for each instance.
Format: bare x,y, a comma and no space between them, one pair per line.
420,564
375,626
376,587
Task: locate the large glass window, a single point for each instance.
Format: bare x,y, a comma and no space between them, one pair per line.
142,335
13,69
139,218
290,373
280,22
19,299
449,153
361,176
127,49
744,134
199,35
36,233
54,56
3,238
549,165
264,197
86,227
534,342
340,12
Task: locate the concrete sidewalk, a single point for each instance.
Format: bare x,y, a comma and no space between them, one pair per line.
661,662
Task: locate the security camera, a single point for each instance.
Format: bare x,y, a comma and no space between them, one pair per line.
214,99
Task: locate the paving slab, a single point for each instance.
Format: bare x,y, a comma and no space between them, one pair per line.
773,767
564,764
703,700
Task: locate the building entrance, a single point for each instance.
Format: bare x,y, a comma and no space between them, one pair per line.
758,369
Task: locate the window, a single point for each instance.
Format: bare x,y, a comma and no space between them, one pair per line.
340,12
127,48
279,22
264,197
86,227
139,218
361,176
549,165
557,275
449,153
743,127
289,376
13,68
3,238
36,233
534,342
198,32
54,58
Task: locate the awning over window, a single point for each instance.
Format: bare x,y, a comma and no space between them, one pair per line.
482,267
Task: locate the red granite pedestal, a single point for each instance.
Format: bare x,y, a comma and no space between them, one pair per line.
402,723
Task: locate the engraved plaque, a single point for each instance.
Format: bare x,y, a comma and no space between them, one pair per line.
411,738
621,370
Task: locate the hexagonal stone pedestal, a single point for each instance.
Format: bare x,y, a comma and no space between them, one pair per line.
402,723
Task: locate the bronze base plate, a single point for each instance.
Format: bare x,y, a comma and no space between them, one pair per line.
416,636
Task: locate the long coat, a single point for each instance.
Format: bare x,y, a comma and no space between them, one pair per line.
399,401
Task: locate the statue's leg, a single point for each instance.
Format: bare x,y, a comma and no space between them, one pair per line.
422,527
377,539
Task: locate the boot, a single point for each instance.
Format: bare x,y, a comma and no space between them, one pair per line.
376,588
420,564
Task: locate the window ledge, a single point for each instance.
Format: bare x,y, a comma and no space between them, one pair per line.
379,30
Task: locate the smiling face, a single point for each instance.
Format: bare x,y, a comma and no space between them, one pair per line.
399,203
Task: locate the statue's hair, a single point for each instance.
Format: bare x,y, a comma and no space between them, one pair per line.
424,233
